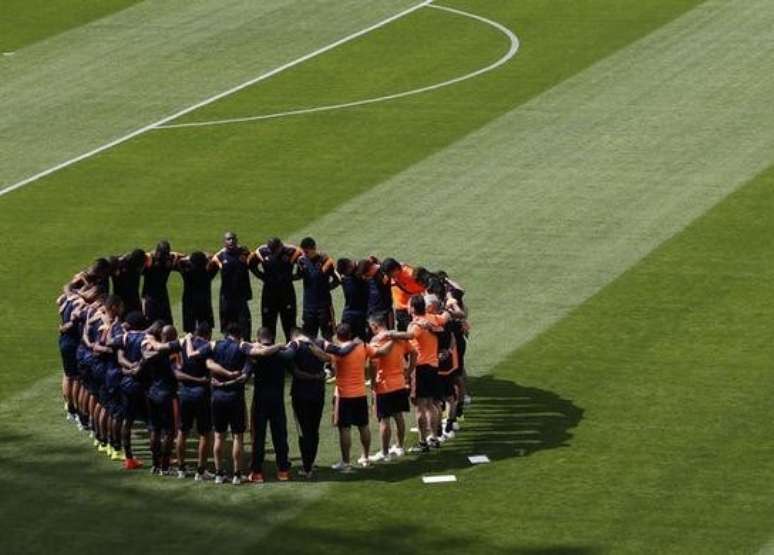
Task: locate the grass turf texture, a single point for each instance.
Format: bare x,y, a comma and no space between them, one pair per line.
566,494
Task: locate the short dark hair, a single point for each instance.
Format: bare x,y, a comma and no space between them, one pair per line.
344,331
100,266
378,319
203,329
363,267
436,287
274,244
136,258
114,301
308,243
155,329
344,266
422,275
389,265
198,259
418,304
233,329
163,247
168,333
135,320
265,335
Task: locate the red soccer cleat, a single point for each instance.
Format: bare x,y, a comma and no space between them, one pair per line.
132,464
255,478
283,475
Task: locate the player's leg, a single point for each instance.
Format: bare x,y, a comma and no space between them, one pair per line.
288,314
279,438
259,443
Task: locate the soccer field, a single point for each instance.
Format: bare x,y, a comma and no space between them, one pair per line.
598,174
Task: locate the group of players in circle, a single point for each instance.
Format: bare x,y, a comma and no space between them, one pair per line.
403,331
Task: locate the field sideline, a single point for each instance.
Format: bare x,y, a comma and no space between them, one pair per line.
603,196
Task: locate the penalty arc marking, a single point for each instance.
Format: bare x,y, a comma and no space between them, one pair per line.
512,50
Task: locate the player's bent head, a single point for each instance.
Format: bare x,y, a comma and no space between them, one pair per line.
345,266
390,266
233,329
136,259
344,332
114,305
198,260
418,305
309,246
155,329
100,268
436,287
168,333
230,239
274,244
295,333
364,268
265,336
422,275
203,330
432,304
163,248
135,320
377,320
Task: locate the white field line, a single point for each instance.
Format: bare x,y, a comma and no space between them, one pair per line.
514,48
210,100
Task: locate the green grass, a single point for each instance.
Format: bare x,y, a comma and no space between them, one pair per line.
635,423
23,22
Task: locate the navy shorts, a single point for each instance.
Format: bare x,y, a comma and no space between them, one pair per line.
425,383
448,384
161,414
198,409
350,411
392,403
229,413
133,404
67,348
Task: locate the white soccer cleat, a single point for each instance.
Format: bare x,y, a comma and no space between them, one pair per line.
181,474
236,480
449,435
380,456
363,461
456,426
218,479
467,400
396,451
341,466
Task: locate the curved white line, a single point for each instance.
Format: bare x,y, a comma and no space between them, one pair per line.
514,48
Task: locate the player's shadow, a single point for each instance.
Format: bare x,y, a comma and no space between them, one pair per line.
505,420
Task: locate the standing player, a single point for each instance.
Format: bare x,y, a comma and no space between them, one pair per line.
197,271
356,293
233,261
155,297
319,275
127,272
159,351
389,381
406,282
194,395
379,289
307,394
268,369
228,377
70,305
274,267
350,401
132,394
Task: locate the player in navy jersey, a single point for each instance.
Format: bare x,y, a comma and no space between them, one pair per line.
126,276
268,368
160,353
70,305
97,275
133,403
197,271
319,278
193,391
379,290
356,294
274,267
307,393
111,333
155,297
234,262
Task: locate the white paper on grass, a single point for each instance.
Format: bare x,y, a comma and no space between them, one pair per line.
439,479
478,459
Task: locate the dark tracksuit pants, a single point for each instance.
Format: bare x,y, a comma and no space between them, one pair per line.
278,303
308,414
235,311
318,320
269,410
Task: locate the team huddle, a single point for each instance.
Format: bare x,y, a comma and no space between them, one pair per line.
403,331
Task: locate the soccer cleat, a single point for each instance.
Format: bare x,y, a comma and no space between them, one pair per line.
341,466
96,443
236,480
255,477
181,475
419,448
219,479
380,456
434,442
102,448
449,435
363,461
283,475
132,464
117,455
156,471
202,476
396,451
